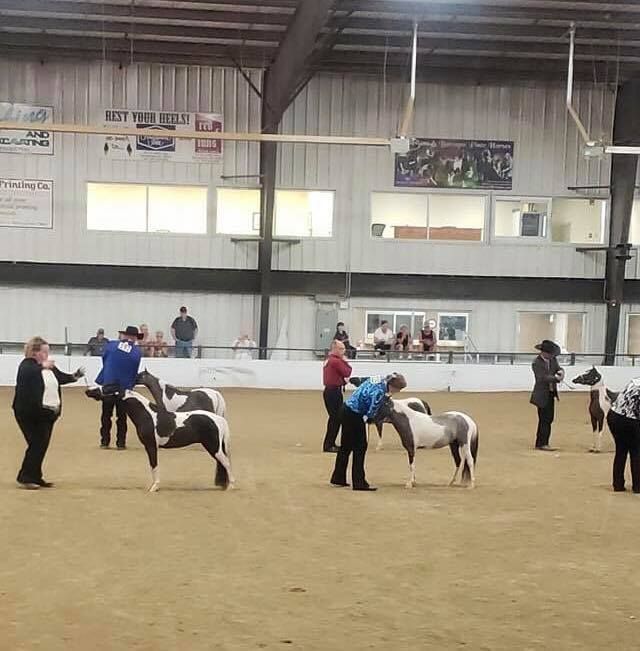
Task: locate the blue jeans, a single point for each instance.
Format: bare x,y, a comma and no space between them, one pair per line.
184,348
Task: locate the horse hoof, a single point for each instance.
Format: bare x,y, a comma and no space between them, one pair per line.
410,484
154,488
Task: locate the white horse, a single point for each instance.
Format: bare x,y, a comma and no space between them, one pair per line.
418,430
158,428
414,403
179,400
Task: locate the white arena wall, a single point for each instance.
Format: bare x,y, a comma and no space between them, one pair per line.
307,375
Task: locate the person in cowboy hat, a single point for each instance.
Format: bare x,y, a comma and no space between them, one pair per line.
120,364
548,373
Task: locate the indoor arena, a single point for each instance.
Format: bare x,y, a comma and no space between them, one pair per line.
321,324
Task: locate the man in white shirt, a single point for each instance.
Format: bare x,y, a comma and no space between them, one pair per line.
383,337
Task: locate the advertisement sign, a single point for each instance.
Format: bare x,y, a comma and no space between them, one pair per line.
26,203
34,141
163,146
440,163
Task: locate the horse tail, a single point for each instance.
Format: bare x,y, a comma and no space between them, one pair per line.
223,461
466,470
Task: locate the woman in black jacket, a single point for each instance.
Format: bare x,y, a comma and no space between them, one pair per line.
37,405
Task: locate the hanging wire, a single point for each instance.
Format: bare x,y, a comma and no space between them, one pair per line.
132,31
104,40
384,74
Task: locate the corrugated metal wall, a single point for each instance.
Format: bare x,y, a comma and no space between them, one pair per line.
548,158
44,311
492,324
79,92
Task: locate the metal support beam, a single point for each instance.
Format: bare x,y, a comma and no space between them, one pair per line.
624,167
281,79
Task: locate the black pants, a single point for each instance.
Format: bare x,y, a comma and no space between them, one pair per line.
626,434
333,404
545,419
354,439
37,433
109,403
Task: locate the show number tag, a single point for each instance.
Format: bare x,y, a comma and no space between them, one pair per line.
125,346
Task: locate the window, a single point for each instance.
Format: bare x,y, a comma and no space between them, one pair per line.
238,211
303,213
413,321
633,334
146,208
427,216
520,217
297,213
579,221
452,329
634,232
566,329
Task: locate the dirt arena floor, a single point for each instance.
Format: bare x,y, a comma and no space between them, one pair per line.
541,555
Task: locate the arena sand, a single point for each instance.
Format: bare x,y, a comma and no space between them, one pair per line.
541,555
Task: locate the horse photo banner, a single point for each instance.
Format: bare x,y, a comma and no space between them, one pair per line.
440,163
36,141
26,203
163,147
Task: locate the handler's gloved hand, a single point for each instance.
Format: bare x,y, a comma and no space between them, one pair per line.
365,418
79,373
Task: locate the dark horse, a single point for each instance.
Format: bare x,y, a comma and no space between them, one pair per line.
600,402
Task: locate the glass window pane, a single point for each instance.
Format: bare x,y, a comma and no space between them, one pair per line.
452,329
634,233
399,215
520,218
566,329
116,207
633,335
177,209
579,221
238,211
456,217
303,213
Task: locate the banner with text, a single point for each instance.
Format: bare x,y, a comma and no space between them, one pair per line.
26,203
439,163
163,146
35,141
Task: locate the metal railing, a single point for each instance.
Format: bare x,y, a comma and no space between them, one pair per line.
453,356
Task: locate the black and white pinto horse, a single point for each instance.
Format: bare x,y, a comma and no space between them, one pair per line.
600,401
180,400
158,428
419,430
413,403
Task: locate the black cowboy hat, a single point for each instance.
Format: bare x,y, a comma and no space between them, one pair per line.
548,346
131,331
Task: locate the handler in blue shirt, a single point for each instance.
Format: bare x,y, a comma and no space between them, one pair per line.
120,364
360,407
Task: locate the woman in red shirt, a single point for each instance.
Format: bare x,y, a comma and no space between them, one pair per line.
335,374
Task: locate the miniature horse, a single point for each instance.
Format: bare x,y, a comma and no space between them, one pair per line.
158,428
413,403
416,430
600,403
178,400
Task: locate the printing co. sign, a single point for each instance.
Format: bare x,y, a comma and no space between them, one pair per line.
33,141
